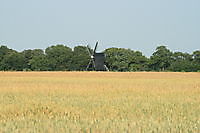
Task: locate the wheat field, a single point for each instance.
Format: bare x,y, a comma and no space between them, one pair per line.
141,102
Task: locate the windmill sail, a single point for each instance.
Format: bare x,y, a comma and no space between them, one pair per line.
97,60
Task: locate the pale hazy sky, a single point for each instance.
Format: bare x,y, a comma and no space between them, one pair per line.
137,24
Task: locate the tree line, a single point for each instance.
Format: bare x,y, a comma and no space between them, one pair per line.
63,58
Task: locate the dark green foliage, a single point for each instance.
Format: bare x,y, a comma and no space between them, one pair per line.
196,62
13,61
120,59
59,57
63,58
117,59
4,51
182,62
29,55
161,59
80,58
39,63
138,62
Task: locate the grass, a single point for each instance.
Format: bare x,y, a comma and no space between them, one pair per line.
99,102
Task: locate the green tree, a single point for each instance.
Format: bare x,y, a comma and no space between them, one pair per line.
13,61
138,62
80,58
117,59
59,57
181,62
161,59
39,63
120,59
29,55
196,57
4,50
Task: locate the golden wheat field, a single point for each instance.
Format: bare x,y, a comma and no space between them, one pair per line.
140,102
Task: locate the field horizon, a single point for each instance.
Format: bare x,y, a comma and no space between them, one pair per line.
100,102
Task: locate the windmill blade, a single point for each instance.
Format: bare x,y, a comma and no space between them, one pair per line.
106,68
89,64
93,63
88,49
95,48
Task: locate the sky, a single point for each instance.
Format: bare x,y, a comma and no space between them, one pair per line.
136,24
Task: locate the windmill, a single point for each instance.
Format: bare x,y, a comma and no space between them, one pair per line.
97,60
